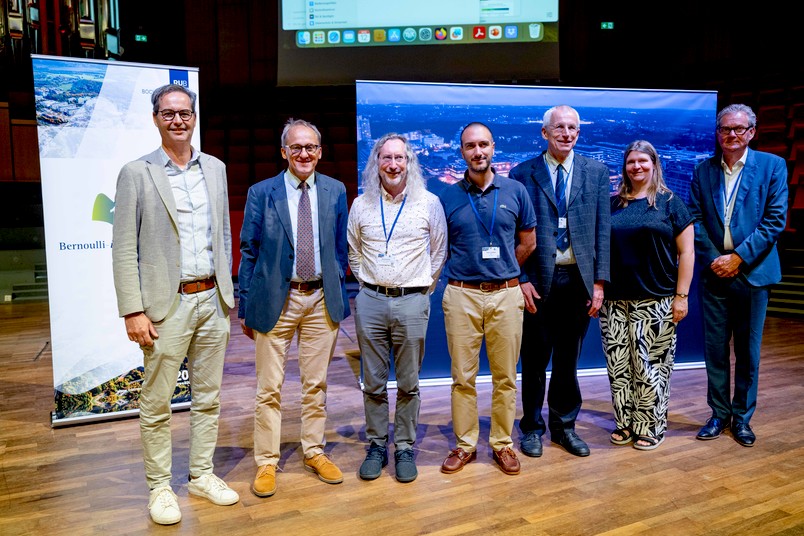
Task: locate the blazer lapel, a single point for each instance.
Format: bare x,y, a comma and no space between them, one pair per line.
163,188
716,188
211,179
747,176
578,173
541,176
280,197
324,205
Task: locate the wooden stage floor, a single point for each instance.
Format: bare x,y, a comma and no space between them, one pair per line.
88,478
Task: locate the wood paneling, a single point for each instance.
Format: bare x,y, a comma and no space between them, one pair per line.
89,479
25,144
201,21
233,43
6,163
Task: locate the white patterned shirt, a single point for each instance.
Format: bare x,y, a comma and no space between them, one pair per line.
417,246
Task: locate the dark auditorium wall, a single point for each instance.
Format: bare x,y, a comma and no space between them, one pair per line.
687,44
679,45
674,45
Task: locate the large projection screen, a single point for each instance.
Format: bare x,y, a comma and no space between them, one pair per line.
331,42
92,117
680,124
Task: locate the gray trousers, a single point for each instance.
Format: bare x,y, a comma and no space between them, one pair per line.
391,328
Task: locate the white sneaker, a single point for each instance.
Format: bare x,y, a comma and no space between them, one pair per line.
214,489
163,507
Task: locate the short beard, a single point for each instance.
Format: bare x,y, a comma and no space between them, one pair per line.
480,168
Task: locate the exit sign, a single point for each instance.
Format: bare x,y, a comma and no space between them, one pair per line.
606,25
140,38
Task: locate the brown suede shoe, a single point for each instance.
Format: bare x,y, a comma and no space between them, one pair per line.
265,482
456,460
506,459
326,470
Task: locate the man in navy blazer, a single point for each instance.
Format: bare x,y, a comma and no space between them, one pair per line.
292,280
739,202
563,280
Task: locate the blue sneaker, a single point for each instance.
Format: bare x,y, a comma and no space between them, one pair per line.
376,459
405,466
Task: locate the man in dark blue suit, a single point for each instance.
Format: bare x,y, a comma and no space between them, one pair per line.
739,202
292,280
563,280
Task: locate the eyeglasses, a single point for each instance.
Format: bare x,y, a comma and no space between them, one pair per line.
296,150
168,115
737,130
387,159
572,129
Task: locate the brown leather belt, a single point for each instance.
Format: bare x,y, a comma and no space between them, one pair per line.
395,292
199,285
486,286
306,286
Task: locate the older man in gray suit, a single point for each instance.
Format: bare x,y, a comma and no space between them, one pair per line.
172,260
563,280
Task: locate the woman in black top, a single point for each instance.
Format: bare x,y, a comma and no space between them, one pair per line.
652,256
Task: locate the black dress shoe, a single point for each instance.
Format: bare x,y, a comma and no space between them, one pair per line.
531,444
743,434
574,444
712,429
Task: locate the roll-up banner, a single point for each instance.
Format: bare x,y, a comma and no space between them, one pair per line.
93,117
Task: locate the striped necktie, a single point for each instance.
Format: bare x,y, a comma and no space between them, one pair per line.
562,241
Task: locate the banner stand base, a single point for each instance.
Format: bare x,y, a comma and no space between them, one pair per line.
99,417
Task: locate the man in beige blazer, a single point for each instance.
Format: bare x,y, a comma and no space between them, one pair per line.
172,255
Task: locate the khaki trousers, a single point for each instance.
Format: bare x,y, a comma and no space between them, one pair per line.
469,315
305,313
197,327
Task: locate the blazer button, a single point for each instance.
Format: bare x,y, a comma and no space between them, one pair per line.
290,256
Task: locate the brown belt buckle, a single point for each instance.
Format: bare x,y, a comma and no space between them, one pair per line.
485,286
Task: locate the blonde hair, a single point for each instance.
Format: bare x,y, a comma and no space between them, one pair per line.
657,185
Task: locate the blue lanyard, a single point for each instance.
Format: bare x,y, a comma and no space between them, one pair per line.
728,200
490,230
382,214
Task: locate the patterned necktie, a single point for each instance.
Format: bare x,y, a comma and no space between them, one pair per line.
562,241
305,247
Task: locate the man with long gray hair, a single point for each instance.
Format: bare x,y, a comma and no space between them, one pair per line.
397,238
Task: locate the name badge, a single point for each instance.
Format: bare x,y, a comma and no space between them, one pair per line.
491,252
562,223
385,260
